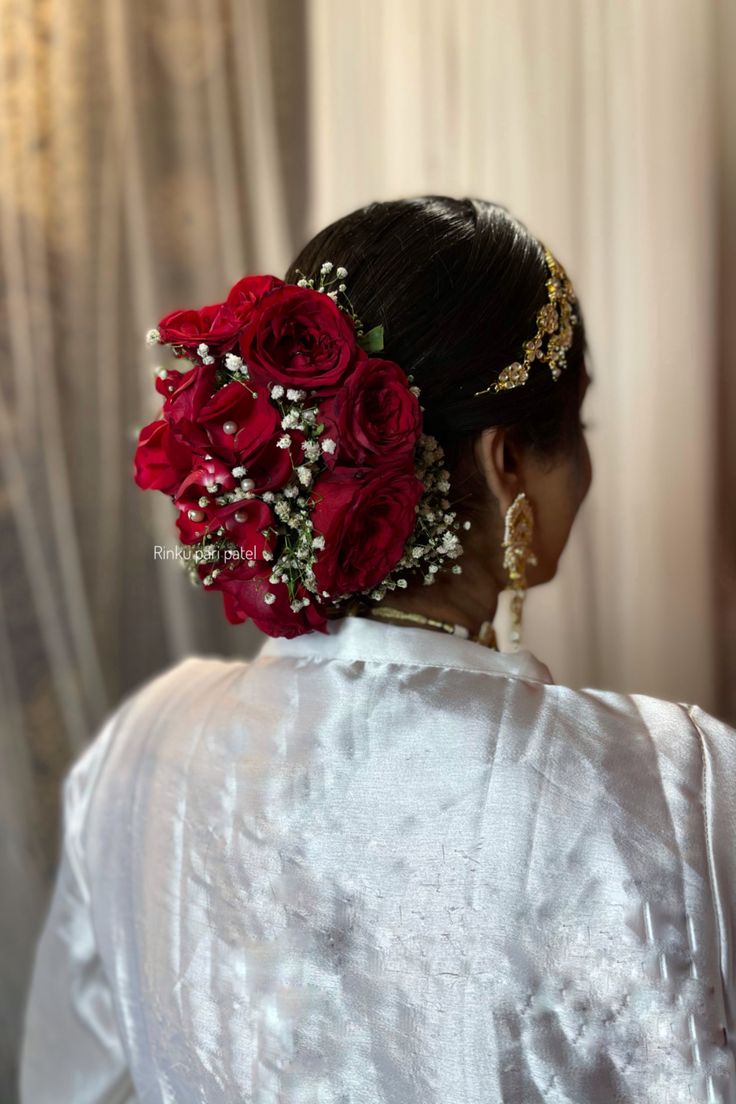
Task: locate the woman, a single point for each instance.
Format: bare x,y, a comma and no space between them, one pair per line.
383,860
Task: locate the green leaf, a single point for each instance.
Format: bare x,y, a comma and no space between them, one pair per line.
372,341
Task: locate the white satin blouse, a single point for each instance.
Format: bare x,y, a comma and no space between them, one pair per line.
390,866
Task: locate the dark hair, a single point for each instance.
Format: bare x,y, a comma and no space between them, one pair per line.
456,284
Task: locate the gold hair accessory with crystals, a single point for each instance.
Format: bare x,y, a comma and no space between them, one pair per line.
554,321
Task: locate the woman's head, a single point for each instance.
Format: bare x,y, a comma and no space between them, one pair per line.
456,285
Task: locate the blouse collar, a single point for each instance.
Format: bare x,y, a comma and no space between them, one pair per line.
359,638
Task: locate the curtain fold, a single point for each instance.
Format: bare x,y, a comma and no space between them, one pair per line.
151,154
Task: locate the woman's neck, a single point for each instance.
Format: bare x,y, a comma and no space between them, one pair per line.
467,599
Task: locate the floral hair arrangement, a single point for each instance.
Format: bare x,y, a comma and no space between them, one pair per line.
294,456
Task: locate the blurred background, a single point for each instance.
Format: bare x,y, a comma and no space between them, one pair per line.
154,151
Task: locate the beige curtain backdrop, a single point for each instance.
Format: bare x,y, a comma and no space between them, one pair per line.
152,153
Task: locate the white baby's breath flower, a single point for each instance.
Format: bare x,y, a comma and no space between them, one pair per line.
153,337
328,445
203,350
304,474
326,267
283,441
277,391
318,542
310,449
294,394
341,273
233,363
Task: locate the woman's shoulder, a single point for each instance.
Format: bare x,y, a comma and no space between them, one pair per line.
678,732
189,674
162,703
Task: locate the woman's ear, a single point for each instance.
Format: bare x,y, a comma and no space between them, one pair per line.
497,457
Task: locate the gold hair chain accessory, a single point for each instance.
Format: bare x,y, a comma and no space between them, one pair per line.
517,540
554,322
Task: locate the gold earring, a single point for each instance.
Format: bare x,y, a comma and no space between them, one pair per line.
517,540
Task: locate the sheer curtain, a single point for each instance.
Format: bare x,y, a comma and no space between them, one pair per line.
150,154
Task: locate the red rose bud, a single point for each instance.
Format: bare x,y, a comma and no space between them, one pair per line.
247,599
244,522
161,462
237,423
217,326
244,295
183,407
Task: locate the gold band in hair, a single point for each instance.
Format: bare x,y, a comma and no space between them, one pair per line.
555,321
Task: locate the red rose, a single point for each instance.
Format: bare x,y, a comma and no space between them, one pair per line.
244,600
243,296
243,523
183,405
299,338
237,423
366,517
217,325
187,498
272,467
161,462
374,417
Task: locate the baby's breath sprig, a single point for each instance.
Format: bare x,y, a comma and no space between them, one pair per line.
372,341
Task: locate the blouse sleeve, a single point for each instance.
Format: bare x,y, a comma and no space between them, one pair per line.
73,1052
718,744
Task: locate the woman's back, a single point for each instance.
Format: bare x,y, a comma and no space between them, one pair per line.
384,864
